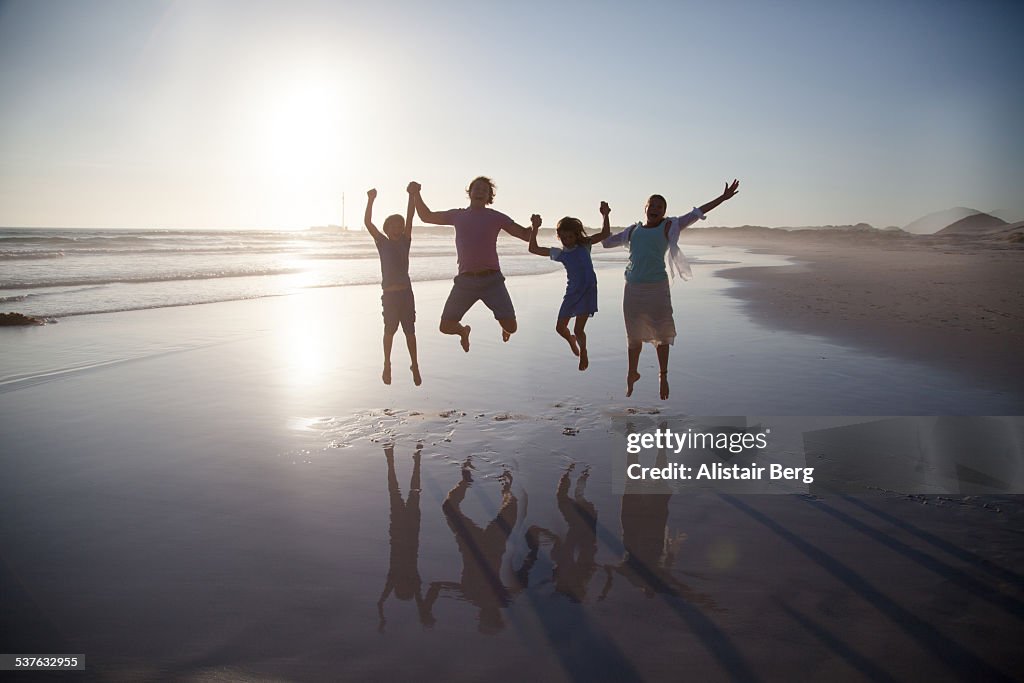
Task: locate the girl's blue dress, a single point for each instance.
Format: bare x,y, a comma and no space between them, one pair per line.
581,288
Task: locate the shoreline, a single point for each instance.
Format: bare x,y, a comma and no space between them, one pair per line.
956,307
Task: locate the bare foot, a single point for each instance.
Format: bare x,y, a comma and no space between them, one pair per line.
464,336
573,345
416,379
630,381
664,386
505,335
386,375
584,359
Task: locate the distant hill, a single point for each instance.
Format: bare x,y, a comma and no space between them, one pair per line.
972,225
933,222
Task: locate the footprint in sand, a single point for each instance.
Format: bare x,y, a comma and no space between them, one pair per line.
643,411
505,417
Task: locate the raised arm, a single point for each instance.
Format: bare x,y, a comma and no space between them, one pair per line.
618,239
380,605
426,215
606,228
368,216
519,231
410,212
729,193
534,249
434,592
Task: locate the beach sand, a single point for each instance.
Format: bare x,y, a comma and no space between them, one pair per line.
225,492
957,303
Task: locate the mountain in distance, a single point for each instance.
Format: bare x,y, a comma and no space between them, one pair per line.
979,223
933,222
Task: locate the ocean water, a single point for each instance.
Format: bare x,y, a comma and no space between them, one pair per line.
59,272
53,273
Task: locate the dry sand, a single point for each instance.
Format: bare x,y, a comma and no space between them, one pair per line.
957,303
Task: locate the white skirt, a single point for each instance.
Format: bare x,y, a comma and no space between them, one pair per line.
647,309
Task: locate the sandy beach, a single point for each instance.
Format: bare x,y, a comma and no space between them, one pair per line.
208,474
227,491
957,303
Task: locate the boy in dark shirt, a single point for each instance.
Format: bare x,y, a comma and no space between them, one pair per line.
397,299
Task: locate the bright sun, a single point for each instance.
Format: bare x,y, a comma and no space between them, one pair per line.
296,140
302,127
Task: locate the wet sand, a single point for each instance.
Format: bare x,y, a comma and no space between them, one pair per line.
228,491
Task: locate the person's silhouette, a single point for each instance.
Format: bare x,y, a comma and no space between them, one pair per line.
482,551
650,548
403,571
573,555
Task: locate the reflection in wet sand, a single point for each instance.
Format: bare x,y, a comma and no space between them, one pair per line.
574,555
403,571
650,549
482,552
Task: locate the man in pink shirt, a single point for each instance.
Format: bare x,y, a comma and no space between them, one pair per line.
476,242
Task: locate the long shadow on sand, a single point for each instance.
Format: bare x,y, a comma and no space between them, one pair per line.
977,561
952,574
647,564
855,659
954,656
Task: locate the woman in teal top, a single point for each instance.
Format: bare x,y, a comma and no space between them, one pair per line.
647,301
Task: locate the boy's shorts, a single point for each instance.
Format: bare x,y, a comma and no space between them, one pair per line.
399,307
468,289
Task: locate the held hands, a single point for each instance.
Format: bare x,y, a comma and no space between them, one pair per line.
731,190
413,187
605,209
535,222
371,194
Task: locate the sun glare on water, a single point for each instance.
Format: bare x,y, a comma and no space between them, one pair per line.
304,355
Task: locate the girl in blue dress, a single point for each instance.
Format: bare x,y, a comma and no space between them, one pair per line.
580,299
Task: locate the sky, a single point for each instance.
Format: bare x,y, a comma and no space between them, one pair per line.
257,114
